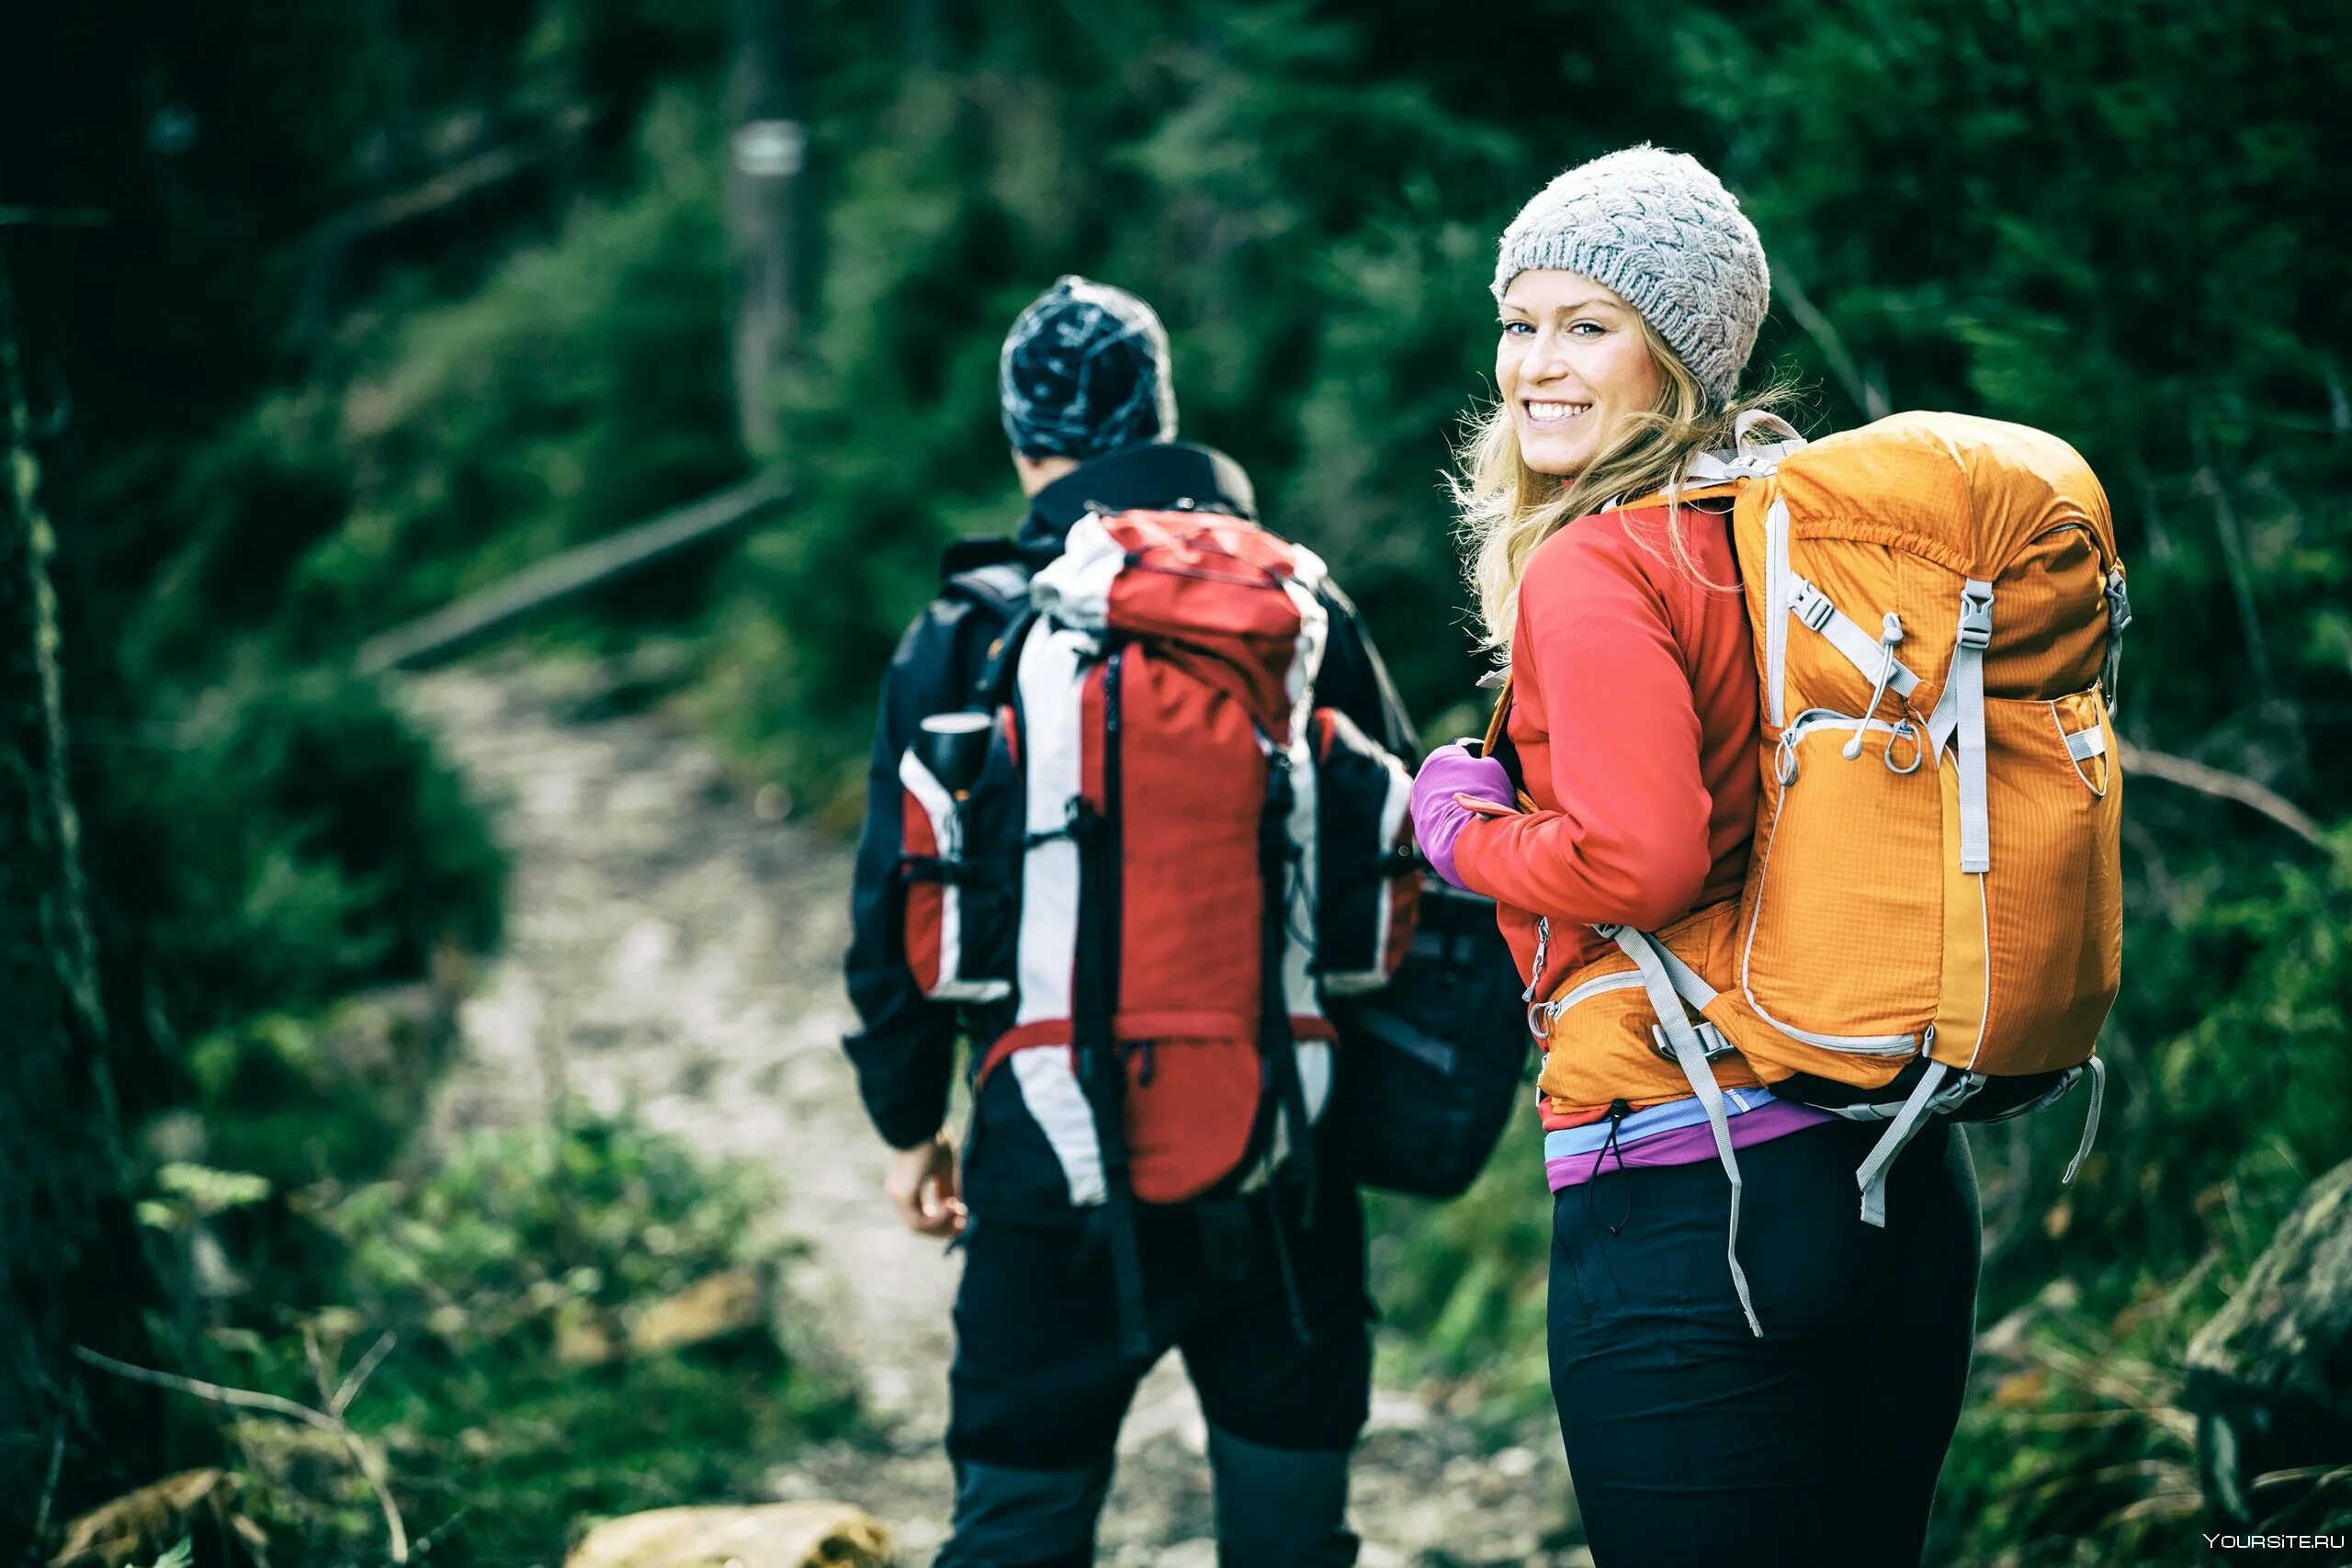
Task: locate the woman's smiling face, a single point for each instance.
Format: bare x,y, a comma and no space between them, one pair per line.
1572,363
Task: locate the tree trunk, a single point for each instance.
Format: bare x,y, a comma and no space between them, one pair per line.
765,154
71,1266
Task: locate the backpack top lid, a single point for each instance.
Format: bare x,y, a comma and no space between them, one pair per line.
1203,582
1966,492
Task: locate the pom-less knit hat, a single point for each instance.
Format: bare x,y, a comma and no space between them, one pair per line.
1662,232
1085,372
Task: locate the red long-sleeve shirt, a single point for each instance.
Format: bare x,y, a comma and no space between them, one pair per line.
1633,710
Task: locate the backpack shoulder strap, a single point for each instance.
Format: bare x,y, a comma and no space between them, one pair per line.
1002,588
1498,746
987,573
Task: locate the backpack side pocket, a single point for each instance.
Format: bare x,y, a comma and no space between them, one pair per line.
958,920
1367,893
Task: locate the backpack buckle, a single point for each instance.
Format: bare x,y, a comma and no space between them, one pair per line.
1812,607
1713,1041
1975,618
1081,819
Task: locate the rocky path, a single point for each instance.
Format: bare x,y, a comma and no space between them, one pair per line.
673,946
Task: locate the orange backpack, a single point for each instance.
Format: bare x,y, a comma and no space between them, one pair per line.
1932,920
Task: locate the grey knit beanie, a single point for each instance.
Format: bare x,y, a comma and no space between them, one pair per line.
1085,372
1662,232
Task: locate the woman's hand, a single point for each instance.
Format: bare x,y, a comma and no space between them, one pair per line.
1452,787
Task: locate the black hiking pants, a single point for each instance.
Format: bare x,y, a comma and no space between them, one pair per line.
1693,1442
1040,1386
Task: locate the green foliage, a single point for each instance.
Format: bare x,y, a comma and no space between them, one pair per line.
1463,1284
610,1214
287,838
2077,1448
2239,1113
510,1403
195,1192
368,297
582,388
299,1099
2244,1095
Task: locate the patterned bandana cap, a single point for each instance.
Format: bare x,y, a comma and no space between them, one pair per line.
1661,230
1084,373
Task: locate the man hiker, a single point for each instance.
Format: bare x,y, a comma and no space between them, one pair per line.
1170,873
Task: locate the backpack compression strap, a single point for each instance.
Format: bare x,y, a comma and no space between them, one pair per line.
1094,1044
1669,983
1960,712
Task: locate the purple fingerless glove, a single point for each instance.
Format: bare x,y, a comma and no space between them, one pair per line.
1437,817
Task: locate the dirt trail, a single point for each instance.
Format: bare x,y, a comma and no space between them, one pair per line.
673,948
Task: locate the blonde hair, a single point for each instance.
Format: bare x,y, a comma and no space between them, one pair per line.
1508,509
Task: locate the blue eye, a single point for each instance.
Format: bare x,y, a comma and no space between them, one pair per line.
1579,326
1510,327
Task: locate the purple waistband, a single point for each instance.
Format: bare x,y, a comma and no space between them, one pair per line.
1686,1145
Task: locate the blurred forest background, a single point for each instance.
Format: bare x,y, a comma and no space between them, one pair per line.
314,318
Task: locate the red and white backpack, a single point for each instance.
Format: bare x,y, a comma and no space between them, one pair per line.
1147,857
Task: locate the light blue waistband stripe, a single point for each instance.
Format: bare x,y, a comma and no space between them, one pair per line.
1684,1113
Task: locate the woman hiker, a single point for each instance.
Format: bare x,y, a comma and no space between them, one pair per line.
1794,1407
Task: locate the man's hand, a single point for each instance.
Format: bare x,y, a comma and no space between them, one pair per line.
921,1182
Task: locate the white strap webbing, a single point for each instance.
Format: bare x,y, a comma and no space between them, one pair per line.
1720,468
1864,651
1871,1175
1747,459
1961,711
2090,1122
1686,981
1750,420
1658,967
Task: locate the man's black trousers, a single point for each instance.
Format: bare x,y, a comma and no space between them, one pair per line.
1039,1384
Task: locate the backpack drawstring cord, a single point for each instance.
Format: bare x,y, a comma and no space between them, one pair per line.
1617,1111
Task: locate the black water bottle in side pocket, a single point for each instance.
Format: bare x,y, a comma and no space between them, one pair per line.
959,862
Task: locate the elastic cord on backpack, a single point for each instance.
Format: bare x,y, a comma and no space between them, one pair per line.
1617,1111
